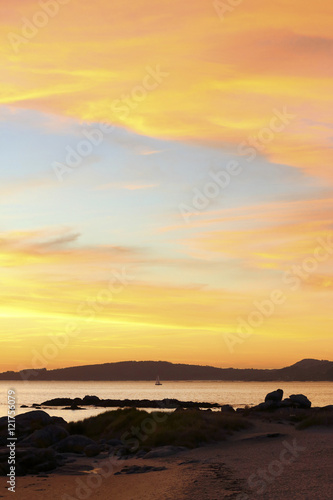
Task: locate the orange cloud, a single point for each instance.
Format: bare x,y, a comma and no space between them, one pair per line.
50,247
221,80
269,236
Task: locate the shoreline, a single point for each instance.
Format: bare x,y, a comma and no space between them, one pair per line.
243,467
196,453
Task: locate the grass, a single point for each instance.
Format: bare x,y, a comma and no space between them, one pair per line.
189,428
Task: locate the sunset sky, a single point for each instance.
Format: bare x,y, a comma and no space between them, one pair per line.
166,175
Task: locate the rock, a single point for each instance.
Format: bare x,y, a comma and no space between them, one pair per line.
126,403
26,423
301,400
92,450
49,435
4,455
59,421
33,419
114,442
73,406
274,396
164,451
268,405
288,403
57,402
227,409
140,454
90,400
35,460
73,444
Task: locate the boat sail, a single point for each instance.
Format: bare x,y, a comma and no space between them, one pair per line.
158,381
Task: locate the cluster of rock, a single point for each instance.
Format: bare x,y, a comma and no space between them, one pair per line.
273,400
43,443
77,403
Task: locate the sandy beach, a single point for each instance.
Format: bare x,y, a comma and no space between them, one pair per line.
270,461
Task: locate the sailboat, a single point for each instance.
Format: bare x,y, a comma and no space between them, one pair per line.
158,381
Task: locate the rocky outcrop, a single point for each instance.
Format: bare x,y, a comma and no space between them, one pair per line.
126,403
35,433
275,396
43,438
31,461
227,409
42,443
300,400
274,401
92,450
74,444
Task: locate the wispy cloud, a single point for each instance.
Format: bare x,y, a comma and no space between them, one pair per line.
281,59
123,185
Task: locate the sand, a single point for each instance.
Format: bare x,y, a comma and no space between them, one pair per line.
271,461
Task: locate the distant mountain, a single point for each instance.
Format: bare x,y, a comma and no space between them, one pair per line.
305,370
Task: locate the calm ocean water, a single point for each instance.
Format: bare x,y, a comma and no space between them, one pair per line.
238,394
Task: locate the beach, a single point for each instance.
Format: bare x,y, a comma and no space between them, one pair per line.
271,460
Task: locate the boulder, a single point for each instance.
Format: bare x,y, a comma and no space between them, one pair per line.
275,396
91,450
49,435
91,400
35,460
73,406
266,406
26,423
4,455
73,444
301,400
227,409
114,442
59,421
288,403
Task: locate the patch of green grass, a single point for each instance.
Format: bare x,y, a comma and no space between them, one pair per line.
322,419
189,428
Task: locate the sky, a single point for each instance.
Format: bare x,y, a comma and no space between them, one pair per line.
166,182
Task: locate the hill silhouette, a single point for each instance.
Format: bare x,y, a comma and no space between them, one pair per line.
304,370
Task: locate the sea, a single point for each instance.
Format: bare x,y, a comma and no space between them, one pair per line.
238,394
